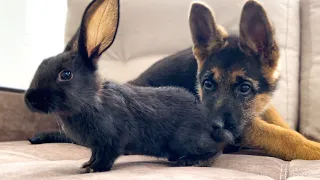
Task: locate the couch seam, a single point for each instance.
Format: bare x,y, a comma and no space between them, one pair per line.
306,93
308,83
286,60
298,127
286,170
280,176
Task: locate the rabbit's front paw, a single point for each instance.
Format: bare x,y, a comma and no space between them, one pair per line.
100,161
87,164
100,165
86,170
94,166
86,167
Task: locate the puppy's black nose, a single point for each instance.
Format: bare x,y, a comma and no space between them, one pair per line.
228,119
227,116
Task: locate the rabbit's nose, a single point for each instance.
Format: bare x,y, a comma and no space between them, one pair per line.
36,100
29,100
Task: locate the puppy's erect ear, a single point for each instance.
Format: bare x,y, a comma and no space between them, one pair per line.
98,29
257,33
207,36
72,45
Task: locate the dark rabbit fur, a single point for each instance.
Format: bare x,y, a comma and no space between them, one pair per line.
114,119
181,70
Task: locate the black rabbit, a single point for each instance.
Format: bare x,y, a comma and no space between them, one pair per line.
112,119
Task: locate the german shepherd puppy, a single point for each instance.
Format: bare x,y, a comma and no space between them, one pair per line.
234,76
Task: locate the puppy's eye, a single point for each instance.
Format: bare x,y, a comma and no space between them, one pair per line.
65,75
244,89
208,85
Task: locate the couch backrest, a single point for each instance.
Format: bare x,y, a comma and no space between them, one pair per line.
152,29
310,68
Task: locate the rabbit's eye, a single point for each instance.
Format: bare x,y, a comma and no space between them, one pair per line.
65,75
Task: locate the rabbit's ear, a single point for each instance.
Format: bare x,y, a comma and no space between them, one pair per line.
98,29
72,45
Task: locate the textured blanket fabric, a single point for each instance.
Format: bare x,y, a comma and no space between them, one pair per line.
20,160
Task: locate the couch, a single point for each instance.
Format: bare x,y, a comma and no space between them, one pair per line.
148,31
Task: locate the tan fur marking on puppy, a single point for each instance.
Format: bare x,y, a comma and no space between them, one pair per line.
272,116
216,73
237,73
276,74
202,53
222,31
199,92
241,73
272,73
280,142
200,56
260,102
219,42
254,83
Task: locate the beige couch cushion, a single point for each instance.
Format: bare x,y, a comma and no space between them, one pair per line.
20,160
150,30
310,68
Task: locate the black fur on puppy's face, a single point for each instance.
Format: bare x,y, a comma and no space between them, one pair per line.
237,75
